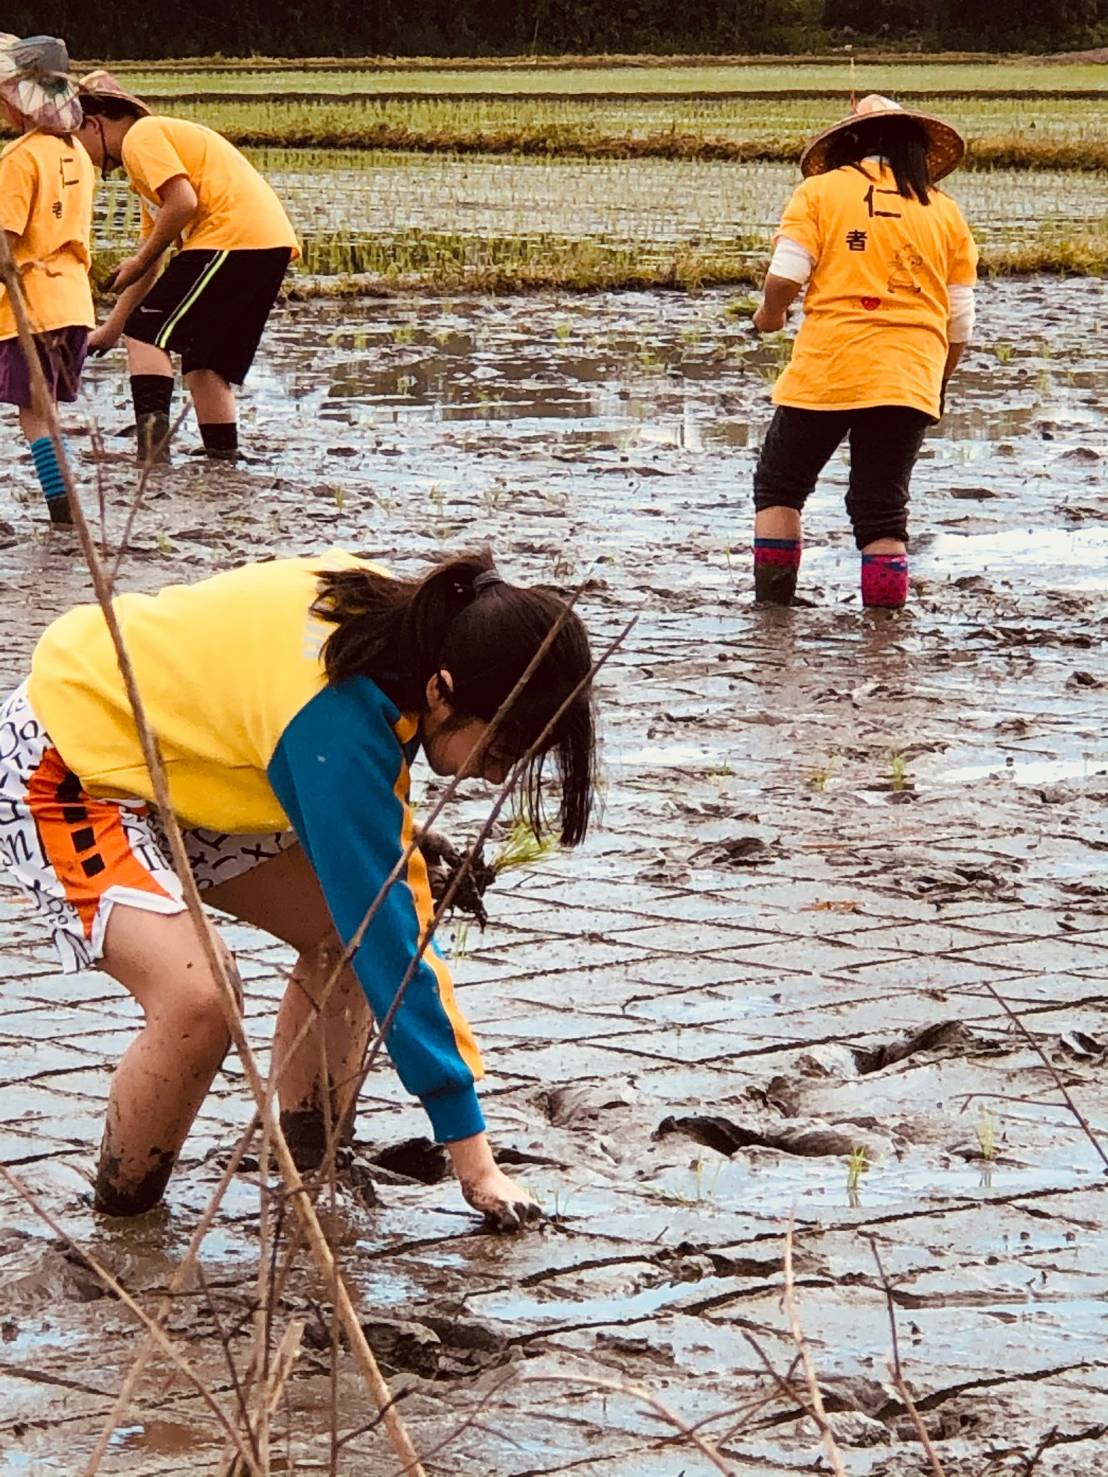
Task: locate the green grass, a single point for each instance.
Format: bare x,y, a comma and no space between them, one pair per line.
1066,133
669,77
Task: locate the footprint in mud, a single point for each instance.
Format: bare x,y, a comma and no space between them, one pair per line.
41,1274
728,1137
433,1345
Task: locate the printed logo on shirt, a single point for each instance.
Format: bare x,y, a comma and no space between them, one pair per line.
903,277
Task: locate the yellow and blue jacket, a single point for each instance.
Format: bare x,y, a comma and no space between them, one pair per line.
255,739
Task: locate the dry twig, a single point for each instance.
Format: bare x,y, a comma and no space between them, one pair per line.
897,1373
177,1282
206,934
167,1348
1053,1070
830,1445
621,1387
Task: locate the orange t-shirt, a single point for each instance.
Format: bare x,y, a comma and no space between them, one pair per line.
877,306
46,188
236,208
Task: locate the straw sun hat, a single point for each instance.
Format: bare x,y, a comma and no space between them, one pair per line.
945,147
34,79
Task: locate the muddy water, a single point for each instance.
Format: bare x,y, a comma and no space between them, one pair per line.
761,989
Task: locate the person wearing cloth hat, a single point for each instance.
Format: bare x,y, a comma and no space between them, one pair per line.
46,189
889,266
211,303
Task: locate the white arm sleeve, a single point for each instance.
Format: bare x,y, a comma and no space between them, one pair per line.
791,261
960,327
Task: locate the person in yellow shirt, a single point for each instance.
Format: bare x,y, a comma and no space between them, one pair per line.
889,266
211,303
46,189
290,698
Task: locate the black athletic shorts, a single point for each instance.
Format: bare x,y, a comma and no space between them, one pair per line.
210,307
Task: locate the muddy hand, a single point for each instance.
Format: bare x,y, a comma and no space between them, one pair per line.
505,1205
101,339
766,322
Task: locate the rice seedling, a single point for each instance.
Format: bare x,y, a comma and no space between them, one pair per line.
856,1166
986,1135
521,849
703,1187
372,221
1067,133
899,779
823,773
459,947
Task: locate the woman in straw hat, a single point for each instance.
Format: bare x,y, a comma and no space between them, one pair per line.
889,266
46,189
211,303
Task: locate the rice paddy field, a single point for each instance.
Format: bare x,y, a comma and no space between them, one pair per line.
672,79
376,212
812,1032
601,176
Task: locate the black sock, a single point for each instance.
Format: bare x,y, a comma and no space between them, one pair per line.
220,438
151,393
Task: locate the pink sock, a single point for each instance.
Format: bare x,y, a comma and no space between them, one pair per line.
884,579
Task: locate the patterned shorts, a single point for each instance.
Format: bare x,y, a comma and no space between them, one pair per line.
75,857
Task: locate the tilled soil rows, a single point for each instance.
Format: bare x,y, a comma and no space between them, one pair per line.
772,984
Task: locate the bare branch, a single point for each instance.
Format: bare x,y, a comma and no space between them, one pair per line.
898,1373
1053,1070
831,1446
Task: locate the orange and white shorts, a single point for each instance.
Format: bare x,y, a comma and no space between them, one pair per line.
75,857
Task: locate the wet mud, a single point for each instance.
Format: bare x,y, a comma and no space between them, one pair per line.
763,988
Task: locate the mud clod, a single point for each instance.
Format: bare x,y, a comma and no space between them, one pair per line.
727,1137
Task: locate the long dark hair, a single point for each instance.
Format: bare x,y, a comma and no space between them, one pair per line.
402,632
902,141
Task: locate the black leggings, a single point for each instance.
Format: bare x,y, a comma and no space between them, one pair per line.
884,443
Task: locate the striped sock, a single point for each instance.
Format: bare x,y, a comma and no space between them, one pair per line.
776,562
50,477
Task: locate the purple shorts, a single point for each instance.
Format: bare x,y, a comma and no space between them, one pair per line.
61,352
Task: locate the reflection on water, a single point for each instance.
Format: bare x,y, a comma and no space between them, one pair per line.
650,372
